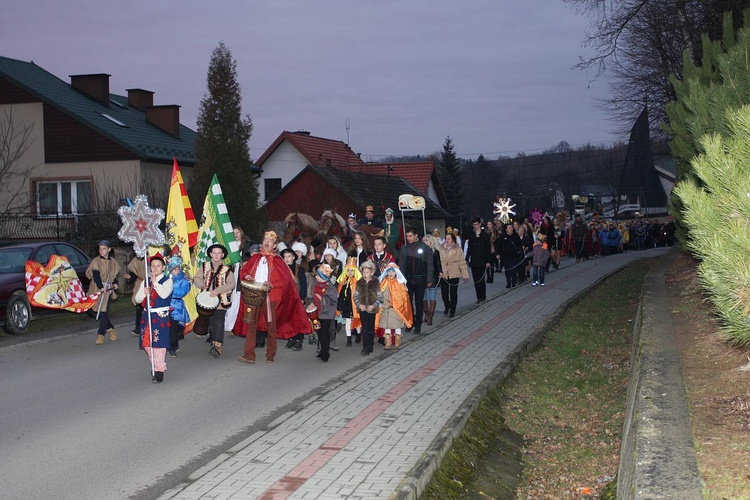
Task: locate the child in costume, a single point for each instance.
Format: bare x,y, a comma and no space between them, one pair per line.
348,309
155,322
368,298
326,299
396,312
178,312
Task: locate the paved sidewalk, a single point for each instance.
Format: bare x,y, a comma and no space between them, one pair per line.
383,430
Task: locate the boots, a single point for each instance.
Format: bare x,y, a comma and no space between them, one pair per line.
158,377
396,341
431,313
358,338
349,341
388,341
290,343
333,345
112,334
99,339
215,350
297,345
426,308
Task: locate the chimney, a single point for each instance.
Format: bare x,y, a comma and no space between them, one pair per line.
140,99
166,118
95,86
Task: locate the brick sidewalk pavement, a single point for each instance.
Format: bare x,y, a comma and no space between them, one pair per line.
380,432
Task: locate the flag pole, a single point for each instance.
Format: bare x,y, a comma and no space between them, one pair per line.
148,318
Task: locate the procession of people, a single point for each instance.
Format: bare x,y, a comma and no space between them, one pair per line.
381,289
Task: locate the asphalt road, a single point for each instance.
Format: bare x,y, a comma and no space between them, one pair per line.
83,421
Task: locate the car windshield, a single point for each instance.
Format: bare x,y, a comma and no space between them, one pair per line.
13,260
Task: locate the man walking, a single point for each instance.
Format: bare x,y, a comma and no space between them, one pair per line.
479,255
415,261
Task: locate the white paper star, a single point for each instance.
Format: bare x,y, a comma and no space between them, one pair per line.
503,209
140,225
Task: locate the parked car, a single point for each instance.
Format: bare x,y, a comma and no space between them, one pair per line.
14,304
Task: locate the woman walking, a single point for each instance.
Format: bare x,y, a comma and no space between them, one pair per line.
453,267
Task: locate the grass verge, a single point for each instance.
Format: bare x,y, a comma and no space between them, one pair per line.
566,400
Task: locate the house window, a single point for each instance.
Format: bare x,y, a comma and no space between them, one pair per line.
63,197
273,186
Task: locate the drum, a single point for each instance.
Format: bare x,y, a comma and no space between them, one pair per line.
206,306
312,313
253,295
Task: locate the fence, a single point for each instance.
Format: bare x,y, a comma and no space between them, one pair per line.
83,230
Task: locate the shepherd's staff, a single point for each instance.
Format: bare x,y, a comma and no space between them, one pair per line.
102,296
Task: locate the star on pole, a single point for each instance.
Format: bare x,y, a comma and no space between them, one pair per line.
503,209
140,225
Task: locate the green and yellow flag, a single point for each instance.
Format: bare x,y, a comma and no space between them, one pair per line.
216,227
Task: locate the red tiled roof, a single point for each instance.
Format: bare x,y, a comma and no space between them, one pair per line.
418,174
317,150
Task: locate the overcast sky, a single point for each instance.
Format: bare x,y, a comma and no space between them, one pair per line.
495,75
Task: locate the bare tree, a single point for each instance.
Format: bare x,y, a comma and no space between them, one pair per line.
641,43
15,141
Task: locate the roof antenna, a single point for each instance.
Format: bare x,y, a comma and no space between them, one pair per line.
348,126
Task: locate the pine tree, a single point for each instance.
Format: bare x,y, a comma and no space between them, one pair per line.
450,178
717,213
222,146
707,90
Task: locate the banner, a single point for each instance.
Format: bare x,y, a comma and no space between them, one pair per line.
56,286
182,234
216,227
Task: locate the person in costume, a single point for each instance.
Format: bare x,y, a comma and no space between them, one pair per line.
370,218
326,300
218,279
282,314
368,298
347,282
339,253
156,299
178,312
300,279
102,272
380,256
394,233
395,313
236,305
330,258
136,273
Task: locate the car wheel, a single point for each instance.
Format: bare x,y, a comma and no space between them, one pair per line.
18,313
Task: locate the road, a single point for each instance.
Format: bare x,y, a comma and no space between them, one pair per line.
83,421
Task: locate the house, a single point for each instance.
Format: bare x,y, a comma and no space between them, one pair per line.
293,152
316,189
81,148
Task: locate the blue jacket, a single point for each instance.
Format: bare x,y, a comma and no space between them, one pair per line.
181,288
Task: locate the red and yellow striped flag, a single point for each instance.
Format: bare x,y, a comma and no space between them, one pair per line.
182,234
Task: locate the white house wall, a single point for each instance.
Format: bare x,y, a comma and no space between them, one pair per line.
284,163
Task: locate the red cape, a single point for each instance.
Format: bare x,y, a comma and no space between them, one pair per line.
291,318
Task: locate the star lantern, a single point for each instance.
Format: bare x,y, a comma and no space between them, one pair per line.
140,225
504,209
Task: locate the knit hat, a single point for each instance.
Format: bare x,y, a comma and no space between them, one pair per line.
298,246
175,261
330,251
324,271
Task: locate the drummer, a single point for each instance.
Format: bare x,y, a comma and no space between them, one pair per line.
218,279
282,315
